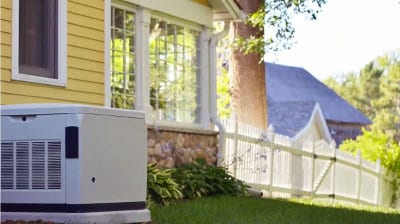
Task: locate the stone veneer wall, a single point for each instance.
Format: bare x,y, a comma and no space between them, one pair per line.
174,148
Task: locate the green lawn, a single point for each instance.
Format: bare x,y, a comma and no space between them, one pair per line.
230,210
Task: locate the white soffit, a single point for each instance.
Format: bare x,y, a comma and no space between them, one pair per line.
187,10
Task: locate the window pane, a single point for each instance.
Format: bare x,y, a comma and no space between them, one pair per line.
173,75
122,58
38,37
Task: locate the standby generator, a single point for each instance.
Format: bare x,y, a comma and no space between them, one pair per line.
73,164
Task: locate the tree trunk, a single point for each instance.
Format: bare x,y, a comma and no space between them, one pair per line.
248,88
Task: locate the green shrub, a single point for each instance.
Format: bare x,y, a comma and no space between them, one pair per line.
161,187
199,180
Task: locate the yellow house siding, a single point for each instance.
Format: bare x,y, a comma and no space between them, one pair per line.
5,28
85,59
203,2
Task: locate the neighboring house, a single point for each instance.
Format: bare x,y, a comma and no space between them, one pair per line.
299,120
155,56
292,96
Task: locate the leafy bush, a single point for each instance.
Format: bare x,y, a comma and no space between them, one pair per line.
198,180
376,145
161,187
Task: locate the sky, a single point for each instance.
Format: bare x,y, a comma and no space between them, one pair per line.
346,35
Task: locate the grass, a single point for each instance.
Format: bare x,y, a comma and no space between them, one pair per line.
230,210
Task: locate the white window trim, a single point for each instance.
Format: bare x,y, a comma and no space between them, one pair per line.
107,55
61,48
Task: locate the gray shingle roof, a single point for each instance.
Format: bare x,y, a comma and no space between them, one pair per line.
289,118
294,84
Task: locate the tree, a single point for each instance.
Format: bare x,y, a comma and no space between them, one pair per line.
247,73
375,90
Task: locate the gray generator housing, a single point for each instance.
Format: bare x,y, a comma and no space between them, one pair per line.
73,159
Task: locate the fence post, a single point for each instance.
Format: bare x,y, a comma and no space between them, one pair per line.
312,168
333,176
378,192
235,148
271,164
358,186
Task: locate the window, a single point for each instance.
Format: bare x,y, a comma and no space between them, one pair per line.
122,58
39,41
38,38
174,83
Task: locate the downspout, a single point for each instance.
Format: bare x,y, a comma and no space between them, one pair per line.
213,91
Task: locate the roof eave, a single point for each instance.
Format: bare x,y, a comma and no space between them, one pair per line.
230,12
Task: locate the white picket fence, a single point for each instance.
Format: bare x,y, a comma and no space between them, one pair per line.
272,163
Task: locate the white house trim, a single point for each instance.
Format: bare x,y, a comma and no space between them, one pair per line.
189,10
142,24
61,48
205,107
107,39
318,117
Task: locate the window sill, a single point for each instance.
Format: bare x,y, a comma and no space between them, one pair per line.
40,80
183,128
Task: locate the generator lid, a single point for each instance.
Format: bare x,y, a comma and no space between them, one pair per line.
55,108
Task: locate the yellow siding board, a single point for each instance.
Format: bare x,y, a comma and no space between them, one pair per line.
6,50
21,99
85,65
86,54
85,43
5,62
85,75
89,87
6,38
5,74
85,21
5,26
203,2
6,14
77,80
85,10
99,4
45,91
6,4
85,32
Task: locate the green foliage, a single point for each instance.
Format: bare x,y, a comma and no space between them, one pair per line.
276,18
375,90
161,187
376,145
198,180
224,95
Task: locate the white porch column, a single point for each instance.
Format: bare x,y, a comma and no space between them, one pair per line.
142,63
205,105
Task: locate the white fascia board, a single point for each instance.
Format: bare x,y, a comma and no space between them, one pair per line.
318,117
188,10
234,10
322,122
